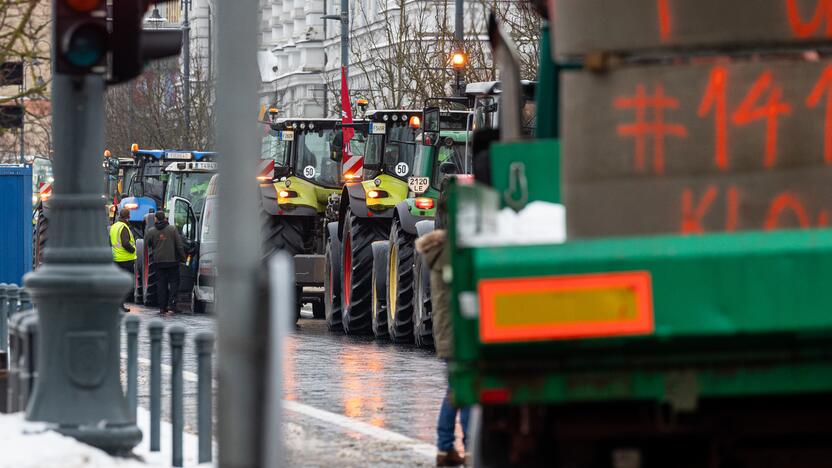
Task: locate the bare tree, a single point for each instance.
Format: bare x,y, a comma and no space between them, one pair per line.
150,111
401,49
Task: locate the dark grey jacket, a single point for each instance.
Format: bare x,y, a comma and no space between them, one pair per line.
166,243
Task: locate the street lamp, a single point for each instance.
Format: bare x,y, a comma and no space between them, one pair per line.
459,60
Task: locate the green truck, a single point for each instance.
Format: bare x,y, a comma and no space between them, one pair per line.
684,322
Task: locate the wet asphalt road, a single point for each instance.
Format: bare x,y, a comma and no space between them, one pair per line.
394,387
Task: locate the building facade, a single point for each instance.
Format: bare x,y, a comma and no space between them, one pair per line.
399,51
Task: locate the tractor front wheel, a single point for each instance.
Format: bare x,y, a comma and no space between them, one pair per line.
356,297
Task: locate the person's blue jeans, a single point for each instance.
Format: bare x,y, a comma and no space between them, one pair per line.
447,423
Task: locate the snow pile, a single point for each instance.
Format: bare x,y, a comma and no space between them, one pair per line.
538,223
25,444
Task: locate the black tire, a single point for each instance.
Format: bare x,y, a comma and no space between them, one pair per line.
318,311
422,307
381,251
151,281
39,236
332,285
298,302
138,281
287,233
197,306
357,261
400,285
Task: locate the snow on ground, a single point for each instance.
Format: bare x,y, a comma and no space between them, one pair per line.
25,444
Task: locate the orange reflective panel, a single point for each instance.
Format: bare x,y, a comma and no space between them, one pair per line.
566,307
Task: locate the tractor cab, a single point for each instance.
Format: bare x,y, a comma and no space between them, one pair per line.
146,184
307,163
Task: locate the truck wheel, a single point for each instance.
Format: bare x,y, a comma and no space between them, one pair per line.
39,236
422,308
381,250
356,297
197,306
138,281
332,285
318,311
400,285
284,233
151,280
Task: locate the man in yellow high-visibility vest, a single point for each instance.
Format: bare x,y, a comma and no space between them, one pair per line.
123,245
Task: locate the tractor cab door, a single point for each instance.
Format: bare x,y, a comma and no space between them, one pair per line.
181,215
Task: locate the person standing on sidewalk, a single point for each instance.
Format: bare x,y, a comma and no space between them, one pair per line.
168,252
435,254
124,246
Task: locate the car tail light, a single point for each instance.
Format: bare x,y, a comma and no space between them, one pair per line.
424,203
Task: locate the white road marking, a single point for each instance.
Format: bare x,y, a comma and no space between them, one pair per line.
334,419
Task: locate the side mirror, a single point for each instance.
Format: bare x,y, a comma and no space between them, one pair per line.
430,126
336,146
448,168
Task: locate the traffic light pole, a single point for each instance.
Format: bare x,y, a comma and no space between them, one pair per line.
78,289
241,319
459,39
186,68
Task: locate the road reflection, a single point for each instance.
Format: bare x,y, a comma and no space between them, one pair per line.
391,386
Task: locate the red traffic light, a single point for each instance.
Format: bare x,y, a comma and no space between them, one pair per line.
84,5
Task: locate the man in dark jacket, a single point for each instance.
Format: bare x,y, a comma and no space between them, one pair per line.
168,252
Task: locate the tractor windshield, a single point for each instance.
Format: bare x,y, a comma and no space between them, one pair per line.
312,161
393,152
192,186
146,181
454,154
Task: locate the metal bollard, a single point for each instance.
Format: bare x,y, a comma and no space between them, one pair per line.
28,363
177,342
25,301
155,329
204,344
4,355
131,326
7,309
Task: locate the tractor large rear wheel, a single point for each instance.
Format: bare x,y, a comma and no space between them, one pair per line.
400,285
39,236
332,285
356,296
138,273
151,280
422,308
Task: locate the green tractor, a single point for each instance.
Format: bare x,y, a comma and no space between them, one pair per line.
294,201
364,214
401,306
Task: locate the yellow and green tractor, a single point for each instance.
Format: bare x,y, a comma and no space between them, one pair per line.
295,196
364,215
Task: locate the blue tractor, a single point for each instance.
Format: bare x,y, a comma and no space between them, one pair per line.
157,177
